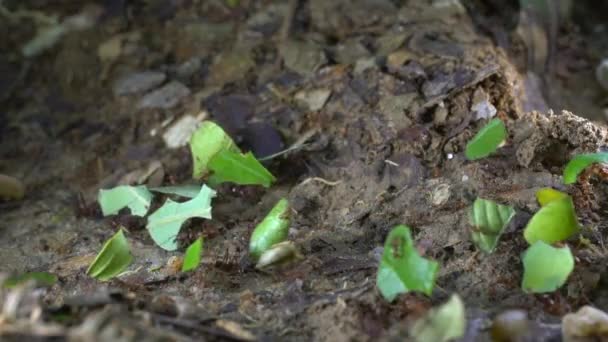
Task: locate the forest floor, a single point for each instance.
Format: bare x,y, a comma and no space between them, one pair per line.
381,96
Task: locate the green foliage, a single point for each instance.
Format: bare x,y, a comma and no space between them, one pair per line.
40,278
165,223
272,230
137,198
207,141
442,324
546,195
239,168
401,268
192,258
580,162
489,220
487,140
554,222
546,268
114,257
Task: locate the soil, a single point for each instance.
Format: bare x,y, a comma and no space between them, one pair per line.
379,92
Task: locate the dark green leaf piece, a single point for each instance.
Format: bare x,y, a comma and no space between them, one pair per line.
114,257
487,140
401,268
239,168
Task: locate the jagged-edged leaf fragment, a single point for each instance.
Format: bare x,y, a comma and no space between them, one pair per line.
165,223
114,257
554,222
239,168
136,198
546,268
444,323
401,268
40,278
580,162
192,258
546,195
208,140
188,191
487,140
272,230
489,220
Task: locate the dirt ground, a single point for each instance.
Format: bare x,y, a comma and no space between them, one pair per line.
381,94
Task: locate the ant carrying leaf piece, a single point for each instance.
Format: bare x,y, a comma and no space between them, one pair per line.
489,220
165,223
214,153
555,221
192,258
401,269
546,268
114,257
239,168
207,141
487,140
136,198
272,230
444,323
580,162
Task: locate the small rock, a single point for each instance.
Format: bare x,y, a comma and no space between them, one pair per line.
185,70
481,107
138,82
601,73
178,134
587,324
364,64
512,325
440,195
166,97
350,51
394,108
440,115
230,67
302,57
313,99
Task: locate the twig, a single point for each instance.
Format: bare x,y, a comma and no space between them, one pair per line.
295,146
321,180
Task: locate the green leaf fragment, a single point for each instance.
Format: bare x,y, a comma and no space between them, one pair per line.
546,268
188,191
114,257
192,258
546,195
402,269
41,279
554,222
272,230
136,198
239,168
489,220
442,324
208,140
487,140
577,164
165,223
